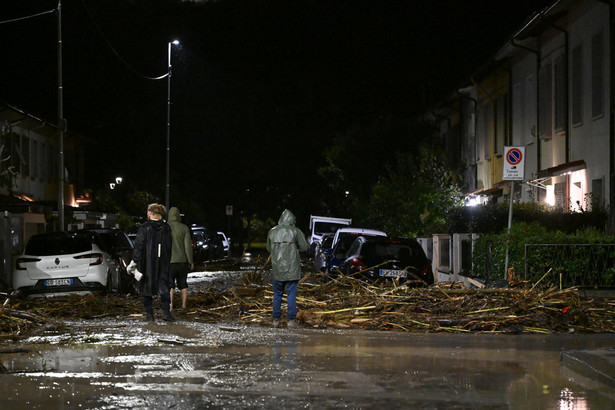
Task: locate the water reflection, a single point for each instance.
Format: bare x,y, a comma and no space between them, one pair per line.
271,368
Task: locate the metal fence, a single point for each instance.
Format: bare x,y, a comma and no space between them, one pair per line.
581,265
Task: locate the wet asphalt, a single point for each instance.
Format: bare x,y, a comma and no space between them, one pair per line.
131,364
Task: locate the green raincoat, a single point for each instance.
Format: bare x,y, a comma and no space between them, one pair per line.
284,242
182,244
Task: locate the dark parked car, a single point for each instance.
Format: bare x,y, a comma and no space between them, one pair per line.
376,259
117,244
206,244
342,240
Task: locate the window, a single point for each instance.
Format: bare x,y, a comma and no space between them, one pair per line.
35,160
518,110
482,145
43,156
25,156
597,75
502,124
52,161
577,85
15,155
530,108
559,94
545,105
6,151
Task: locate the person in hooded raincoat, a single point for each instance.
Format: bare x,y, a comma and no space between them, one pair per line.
284,242
181,256
152,256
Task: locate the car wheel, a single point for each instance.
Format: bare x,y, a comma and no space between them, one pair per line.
113,281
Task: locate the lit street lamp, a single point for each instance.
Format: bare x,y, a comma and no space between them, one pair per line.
168,186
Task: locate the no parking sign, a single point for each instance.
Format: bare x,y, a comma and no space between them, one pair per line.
514,164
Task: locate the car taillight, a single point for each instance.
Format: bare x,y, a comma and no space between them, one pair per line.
358,264
425,269
98,258
20,262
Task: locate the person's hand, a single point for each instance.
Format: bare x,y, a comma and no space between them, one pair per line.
192,266
132,266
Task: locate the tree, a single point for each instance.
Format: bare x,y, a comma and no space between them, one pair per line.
356,159
415,194
390,175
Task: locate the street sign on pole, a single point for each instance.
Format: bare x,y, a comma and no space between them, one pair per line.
514,164
513,170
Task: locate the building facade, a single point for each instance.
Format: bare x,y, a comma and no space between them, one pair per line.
547,89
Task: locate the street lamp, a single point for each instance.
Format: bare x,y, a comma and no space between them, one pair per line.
168,186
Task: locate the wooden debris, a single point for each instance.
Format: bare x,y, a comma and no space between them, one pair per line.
346,302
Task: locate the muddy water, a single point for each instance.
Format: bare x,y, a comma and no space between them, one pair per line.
109,364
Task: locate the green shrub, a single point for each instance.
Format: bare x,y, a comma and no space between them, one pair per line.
575,265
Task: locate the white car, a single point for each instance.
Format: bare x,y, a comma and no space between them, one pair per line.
226,243
61,263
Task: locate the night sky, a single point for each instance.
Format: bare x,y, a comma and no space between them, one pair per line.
259,87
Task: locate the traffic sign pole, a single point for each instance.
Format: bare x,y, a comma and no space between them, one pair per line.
513,170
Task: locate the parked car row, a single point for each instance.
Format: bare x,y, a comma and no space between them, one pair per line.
94,261
373,256
82,262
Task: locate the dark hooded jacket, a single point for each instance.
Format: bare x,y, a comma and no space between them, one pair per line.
152,254
284,241
182,245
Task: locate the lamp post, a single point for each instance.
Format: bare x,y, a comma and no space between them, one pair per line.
168,185
61,125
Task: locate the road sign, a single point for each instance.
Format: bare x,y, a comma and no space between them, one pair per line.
514,164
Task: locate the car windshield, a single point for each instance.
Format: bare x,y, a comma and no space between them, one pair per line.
58,244
327,227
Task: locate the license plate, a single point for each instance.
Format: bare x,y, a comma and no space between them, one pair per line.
392,273
58,282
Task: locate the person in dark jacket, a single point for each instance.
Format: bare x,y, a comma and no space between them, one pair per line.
284,242
181,256
152,257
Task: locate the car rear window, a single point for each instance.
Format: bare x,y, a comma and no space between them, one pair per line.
389,250
58,244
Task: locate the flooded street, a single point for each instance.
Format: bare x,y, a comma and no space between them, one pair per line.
128,363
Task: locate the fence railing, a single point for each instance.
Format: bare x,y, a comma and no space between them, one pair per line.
581,265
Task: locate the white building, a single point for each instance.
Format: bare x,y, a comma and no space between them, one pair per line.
547,89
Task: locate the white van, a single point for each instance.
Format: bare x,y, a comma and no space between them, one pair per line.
320,225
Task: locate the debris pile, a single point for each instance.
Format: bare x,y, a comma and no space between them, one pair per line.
346,302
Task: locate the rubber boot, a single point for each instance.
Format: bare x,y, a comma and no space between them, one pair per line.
150,317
